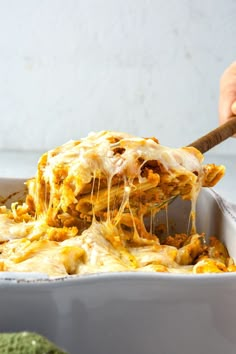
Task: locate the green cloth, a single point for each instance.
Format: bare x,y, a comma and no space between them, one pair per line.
27,343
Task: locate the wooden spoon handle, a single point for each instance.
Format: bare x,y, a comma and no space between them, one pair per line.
216,136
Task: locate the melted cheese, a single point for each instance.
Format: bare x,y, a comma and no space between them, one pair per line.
85,208
95,155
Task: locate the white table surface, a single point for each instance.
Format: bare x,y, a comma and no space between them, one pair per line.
24,165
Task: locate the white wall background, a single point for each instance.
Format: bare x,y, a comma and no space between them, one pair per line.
148,67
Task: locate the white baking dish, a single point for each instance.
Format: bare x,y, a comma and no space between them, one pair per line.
132,313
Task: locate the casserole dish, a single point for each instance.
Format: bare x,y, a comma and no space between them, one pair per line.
131,312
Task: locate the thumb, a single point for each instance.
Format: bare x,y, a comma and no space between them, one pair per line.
233,108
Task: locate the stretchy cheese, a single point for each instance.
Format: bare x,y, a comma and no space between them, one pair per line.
86,208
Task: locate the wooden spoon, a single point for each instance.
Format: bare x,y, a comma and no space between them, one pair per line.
216,136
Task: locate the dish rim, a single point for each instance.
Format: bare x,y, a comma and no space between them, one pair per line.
88,279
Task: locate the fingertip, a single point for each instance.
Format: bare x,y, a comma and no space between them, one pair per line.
233,108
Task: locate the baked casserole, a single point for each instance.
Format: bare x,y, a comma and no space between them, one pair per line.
93,205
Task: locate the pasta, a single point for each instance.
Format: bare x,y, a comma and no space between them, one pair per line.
86,210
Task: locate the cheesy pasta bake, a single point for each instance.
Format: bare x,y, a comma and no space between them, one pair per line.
92,206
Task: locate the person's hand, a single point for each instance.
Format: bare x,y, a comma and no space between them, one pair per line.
227,99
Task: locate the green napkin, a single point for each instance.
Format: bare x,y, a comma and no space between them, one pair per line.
27,343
